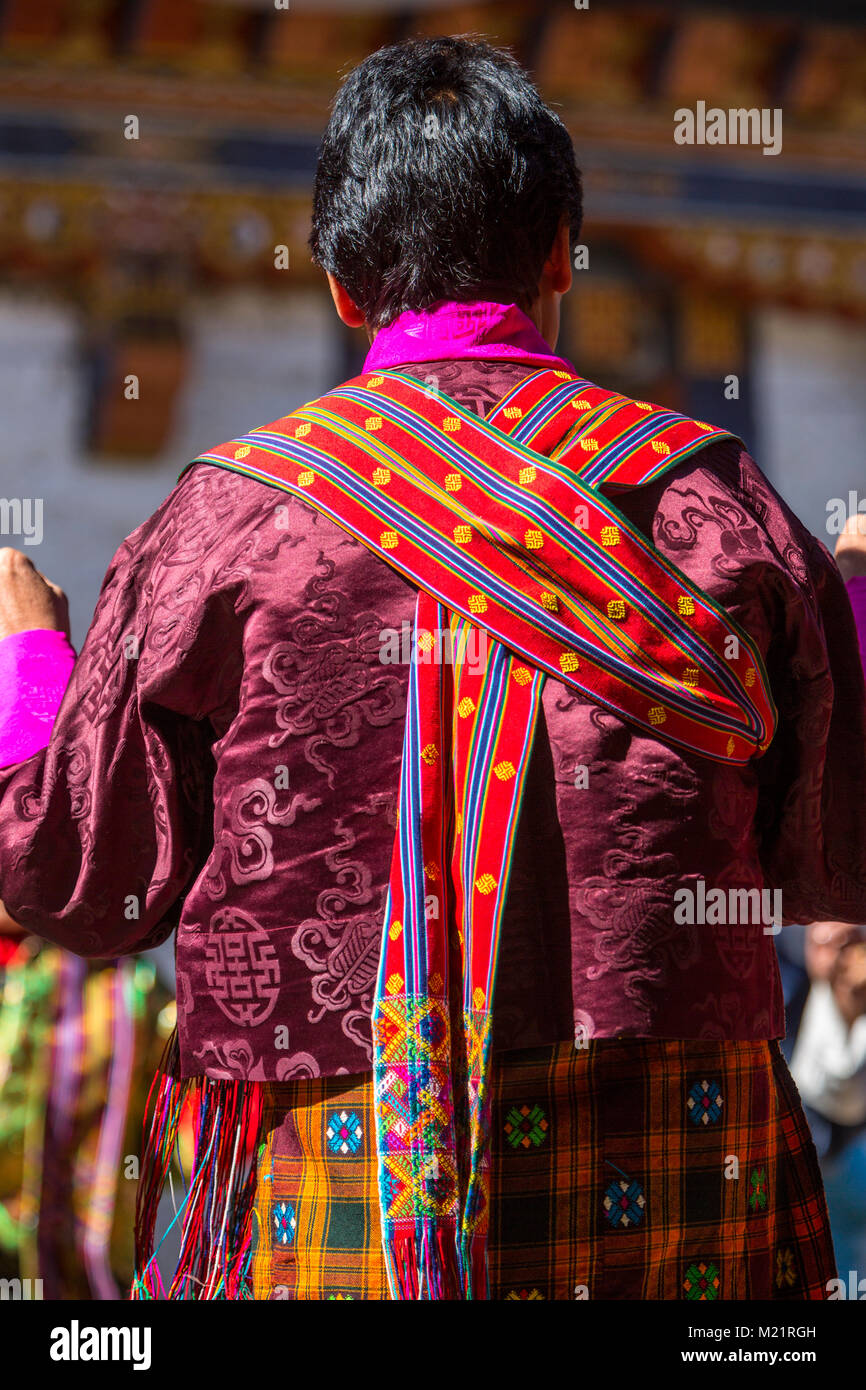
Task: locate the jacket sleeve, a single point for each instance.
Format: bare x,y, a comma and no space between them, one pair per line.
720,520
101,830
812,814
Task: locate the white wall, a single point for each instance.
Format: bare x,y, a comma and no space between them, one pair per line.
254,357
810,409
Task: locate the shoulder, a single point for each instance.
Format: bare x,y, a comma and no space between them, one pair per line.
244,541
214,516
720,501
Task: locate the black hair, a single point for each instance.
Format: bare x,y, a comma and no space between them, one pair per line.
442,175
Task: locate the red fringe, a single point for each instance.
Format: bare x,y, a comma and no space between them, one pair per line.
216,1238
434,1270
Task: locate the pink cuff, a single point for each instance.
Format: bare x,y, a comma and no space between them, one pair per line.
35,667
857,594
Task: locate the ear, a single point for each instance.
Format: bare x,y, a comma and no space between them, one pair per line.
344,304
557,269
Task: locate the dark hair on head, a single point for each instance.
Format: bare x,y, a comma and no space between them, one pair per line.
441,175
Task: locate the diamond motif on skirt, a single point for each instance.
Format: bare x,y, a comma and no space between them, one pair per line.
702,1282
624,1203
526,1127
758,1196
284,1223
704,1103
344,1132
786,1268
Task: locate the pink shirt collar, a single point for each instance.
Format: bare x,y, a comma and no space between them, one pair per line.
453,331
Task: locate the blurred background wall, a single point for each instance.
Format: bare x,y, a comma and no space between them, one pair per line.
156,162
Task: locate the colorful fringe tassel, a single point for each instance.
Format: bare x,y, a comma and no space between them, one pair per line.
216,1212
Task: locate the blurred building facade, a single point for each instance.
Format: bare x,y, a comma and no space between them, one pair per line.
156,292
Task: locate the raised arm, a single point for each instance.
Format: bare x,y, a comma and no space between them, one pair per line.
851,559
101,827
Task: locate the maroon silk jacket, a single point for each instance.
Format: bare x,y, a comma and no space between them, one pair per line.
239,778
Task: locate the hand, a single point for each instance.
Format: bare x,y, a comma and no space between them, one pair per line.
825,943
27,598
849,982
7,926
851,547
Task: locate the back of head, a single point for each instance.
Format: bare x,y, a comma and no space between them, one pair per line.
442,176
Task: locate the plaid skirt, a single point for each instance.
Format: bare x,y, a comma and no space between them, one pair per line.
623,1170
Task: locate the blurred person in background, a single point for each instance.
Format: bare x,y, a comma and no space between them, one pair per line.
485,1047
823,973
79,1041
829,1058
826,1049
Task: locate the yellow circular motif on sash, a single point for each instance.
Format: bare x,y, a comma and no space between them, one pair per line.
242,452
616,609
533,540
657,714
373,422
477,603
486,883
306,479
466,707
451,424
610,535
504,771
660,446
388,540
685,605
589,446
569,662
453,482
